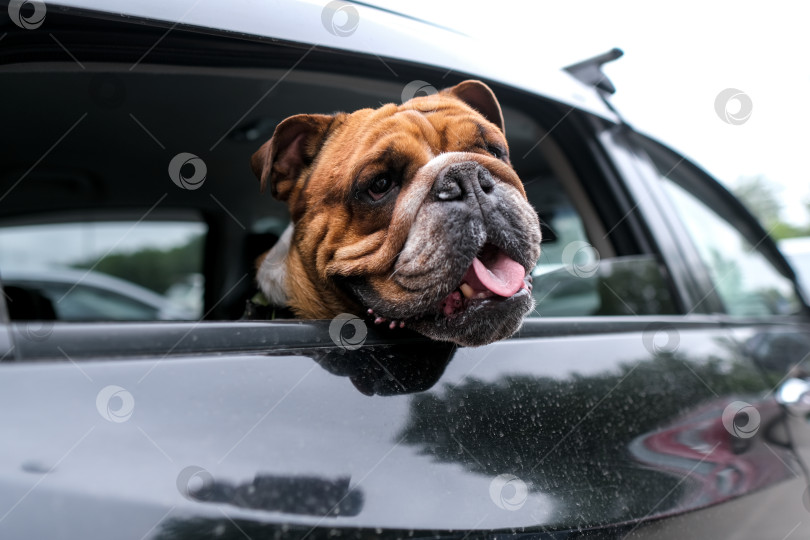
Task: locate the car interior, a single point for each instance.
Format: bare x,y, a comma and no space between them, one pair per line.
87,188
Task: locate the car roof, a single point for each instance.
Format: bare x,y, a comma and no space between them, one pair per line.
380,32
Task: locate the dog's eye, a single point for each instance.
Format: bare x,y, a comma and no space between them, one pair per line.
495,151
379,187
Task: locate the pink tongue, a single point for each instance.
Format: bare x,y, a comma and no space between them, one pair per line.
503,276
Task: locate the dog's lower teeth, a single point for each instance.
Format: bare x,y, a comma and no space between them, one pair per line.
467,291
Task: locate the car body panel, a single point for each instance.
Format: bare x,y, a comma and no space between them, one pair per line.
630,421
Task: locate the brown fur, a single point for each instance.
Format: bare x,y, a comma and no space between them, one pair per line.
314,163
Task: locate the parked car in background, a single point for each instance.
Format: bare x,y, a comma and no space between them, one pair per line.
658,391
76,295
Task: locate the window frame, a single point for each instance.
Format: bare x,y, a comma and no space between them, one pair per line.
611,194
631,172
726,206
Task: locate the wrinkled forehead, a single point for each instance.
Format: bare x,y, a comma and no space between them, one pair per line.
440,123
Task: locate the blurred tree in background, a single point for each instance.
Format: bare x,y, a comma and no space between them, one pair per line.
761,197
155,269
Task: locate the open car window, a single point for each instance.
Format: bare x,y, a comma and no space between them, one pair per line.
178,139
579,272
103,270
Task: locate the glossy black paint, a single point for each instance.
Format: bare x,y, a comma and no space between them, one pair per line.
603,428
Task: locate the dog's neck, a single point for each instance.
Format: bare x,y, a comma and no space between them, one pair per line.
286,280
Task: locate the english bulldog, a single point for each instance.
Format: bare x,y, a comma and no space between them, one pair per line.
411,214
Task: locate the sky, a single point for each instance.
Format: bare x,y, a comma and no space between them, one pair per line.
678,58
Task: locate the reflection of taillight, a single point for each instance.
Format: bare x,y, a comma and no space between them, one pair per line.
794,394
703,446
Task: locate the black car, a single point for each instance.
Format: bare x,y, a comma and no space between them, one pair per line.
659,390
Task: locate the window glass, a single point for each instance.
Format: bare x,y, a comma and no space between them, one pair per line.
746,282
96,271
572,279
797,252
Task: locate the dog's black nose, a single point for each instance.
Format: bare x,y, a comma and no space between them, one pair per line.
459,179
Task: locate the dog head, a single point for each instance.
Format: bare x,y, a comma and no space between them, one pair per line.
411,212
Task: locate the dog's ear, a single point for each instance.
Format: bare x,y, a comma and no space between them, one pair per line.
481,98
293,146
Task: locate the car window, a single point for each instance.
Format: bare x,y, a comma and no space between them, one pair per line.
103,271
78,302
573,279
748,284
580,272
797,251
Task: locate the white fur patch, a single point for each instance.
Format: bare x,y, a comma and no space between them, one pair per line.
426,175
272,273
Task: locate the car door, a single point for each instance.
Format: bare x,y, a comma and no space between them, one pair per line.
181,430
753,291
599,422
